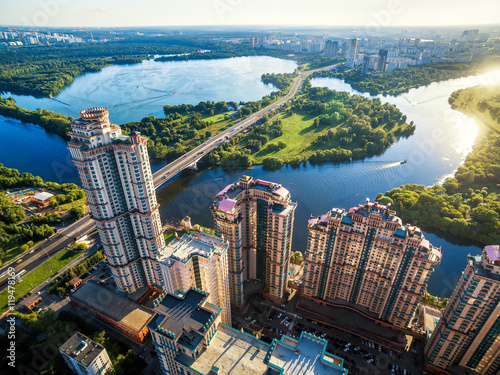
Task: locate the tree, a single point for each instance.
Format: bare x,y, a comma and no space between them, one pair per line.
272,163
79,246
296,257
77,212
451,185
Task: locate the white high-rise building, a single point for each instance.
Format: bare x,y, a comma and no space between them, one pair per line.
117,179
198,260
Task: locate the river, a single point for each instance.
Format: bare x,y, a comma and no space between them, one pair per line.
132,92
442,140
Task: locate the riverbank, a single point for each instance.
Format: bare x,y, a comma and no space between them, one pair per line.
402,80
325,125
52,121
466,206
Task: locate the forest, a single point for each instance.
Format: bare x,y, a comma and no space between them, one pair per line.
466,206
20,237
53,121
402,80
46,332
322,125
43,71
283,81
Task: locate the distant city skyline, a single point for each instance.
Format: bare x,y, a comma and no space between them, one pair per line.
363,13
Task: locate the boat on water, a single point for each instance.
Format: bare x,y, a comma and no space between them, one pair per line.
404,161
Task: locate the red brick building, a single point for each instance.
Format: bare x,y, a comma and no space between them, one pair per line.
122,314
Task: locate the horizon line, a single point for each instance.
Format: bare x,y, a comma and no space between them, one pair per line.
257,25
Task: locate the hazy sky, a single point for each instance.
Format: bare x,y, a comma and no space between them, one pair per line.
248,12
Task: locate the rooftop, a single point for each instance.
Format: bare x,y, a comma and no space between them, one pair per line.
232,352
81,348
284,211
183,313
225,198
110,304
227,204
192,244
31,300
305,357
484,269
43,196
431,319
493,252
75,280
374,208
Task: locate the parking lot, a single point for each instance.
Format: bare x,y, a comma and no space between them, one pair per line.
361,356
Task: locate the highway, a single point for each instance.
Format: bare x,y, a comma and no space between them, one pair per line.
42,252
64,237
167,172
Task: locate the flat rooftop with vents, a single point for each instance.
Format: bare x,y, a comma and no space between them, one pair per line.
232,352
305,356
114,309
192,244
82,349
183,313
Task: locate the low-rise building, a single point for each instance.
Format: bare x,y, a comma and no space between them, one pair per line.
75,282
42,199
122,314
85,357
31,302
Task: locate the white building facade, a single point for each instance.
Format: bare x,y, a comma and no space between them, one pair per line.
198,260
117,180
86,357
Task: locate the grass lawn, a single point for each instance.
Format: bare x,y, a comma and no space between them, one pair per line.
469,99
298,134
39,275
219,124
169,236
70,205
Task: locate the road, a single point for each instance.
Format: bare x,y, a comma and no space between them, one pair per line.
167,172
44,251
64,237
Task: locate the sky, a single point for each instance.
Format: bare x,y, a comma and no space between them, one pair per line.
368,13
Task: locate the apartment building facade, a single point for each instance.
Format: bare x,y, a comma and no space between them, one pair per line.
256,218
468,333
198,260
117,180
368,258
